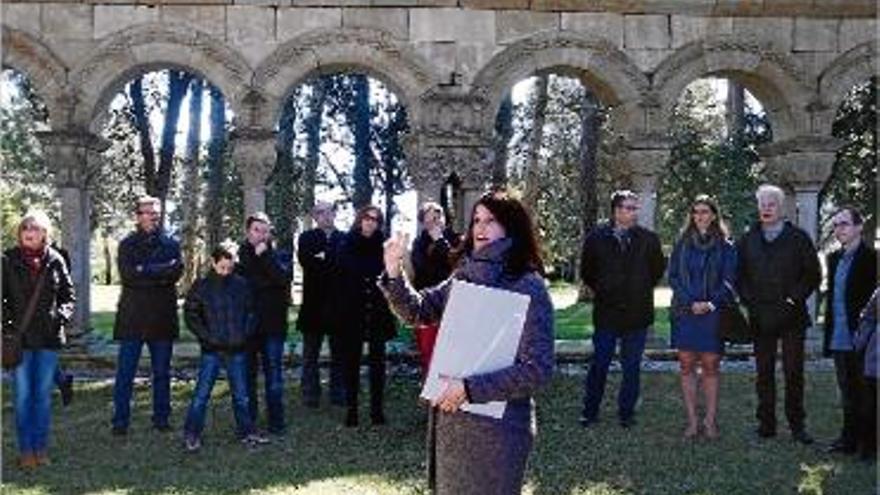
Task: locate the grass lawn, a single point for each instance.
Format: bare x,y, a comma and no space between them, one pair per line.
318,456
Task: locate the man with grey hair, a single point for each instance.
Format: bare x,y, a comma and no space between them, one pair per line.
778,270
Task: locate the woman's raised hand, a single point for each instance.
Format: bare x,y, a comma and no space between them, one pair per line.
395,249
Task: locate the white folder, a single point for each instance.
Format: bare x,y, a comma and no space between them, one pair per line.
479,333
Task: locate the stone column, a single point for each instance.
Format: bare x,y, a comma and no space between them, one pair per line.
72,154
803,164
254,154
646,164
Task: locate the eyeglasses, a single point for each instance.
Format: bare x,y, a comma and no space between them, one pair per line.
149,212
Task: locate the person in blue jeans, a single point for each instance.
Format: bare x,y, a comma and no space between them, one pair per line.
269,276
38,301
219,312
621,263
149,265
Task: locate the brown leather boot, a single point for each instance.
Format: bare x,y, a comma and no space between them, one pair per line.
27,461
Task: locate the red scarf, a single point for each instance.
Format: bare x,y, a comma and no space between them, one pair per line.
33,259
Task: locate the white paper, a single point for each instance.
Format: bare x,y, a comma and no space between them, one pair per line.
479,333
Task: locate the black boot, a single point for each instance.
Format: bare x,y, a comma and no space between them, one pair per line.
351,417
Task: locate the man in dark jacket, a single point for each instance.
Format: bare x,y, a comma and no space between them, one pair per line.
852,276
269,277
149,265
778,270
621,263
316,251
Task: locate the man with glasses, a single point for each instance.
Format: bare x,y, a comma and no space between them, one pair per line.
852,276
316,252
621,262
778,270
150,265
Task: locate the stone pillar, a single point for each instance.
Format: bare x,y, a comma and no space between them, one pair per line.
72,153
803,164
646,164
254,154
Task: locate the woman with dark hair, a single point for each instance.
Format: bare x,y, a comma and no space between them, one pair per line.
702,272
367,317
37,304
471,454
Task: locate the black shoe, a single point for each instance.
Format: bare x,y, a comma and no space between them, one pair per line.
628,422
801,437
841,446
765,432
587,421
119,431
162,427
351,418
868,455
378,419
278,432
66,389
311,402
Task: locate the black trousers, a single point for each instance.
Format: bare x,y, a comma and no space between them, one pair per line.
793,371
311,380
352,352
848,367
869,416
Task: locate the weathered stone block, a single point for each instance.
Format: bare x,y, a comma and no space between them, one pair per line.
438,3
293,22
69,21
846,8
567,5
736,8
775,32
471,57
648,60
687,29
495,4
452,25
210,19
510,26
682,7
814,63
394,3
608,26
22,16
442,55
249,25
262,3
392,21
855,32
113,18
646,32
330,3
815,35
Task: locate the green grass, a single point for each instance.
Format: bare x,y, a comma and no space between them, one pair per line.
318,456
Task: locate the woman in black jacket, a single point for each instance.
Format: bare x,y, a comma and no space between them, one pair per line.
367,316
34,270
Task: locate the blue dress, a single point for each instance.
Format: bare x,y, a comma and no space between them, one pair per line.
700,271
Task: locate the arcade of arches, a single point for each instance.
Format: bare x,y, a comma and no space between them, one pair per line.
451,62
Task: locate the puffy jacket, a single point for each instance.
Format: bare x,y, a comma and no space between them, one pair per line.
219,311
269,276
54,304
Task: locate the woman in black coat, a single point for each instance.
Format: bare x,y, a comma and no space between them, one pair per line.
366,316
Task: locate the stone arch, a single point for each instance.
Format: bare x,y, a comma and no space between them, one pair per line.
776,80
607,71
849,69
126,53
374,52
45,70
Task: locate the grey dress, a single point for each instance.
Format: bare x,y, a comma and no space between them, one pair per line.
470,454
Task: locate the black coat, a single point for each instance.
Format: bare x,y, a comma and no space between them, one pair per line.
622,278
362,310
430,258
54,304
269,276
776,278
219,311
317,255
149,266
860,283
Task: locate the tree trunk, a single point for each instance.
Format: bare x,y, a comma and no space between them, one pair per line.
587,150
532,172
108,257
503,133
312,125
736,112
216,173
178,83
281,200
192,186
141,122
360,128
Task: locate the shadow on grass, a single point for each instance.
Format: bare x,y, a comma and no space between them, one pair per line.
319,456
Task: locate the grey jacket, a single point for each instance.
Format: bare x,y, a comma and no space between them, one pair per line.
866,336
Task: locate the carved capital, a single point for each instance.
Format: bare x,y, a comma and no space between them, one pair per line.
803,163
73,153
254,154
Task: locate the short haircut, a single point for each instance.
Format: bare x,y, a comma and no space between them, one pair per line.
39,219
256,217
146,200
769,190
323,206
621,195
427,208
854,214
224,251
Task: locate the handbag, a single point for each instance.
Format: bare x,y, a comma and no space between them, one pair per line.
733,327
12,348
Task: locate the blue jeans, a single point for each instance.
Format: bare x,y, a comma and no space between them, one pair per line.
236,373
267,350
126,368
33,398
632,344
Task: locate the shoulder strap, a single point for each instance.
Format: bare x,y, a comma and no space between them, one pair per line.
32,302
